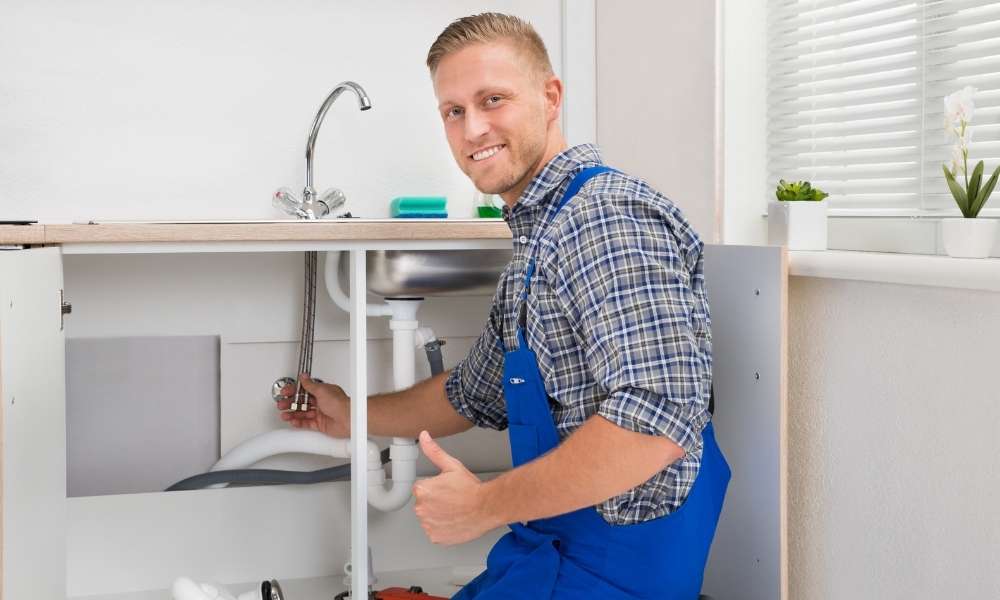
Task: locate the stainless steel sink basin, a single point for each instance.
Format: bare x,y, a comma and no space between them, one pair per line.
423,273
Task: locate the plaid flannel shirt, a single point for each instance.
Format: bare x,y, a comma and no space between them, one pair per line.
617,316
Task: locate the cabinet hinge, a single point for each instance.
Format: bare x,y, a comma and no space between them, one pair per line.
65,308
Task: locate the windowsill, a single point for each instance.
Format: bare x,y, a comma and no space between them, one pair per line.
911,213
907,269
901,213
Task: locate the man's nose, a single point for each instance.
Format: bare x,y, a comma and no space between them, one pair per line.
476,125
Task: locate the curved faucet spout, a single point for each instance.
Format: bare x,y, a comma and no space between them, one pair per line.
363,103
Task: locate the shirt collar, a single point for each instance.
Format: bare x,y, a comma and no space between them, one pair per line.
567,163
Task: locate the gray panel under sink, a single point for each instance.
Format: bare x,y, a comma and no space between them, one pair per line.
141,412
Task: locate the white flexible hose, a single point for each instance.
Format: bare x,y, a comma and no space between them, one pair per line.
283,441
403,453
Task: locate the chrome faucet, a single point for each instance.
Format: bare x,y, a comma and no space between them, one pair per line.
313,206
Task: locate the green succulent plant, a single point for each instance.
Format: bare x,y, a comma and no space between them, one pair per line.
798,191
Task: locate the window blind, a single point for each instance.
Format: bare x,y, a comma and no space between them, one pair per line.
855,95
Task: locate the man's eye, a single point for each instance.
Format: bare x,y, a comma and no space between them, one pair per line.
493,99
454,112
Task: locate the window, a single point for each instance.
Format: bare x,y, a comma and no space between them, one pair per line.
855,95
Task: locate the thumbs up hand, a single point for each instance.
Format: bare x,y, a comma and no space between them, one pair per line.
450,506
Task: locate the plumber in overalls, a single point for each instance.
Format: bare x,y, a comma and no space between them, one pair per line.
596,357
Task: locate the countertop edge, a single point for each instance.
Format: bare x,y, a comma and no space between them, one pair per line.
292,231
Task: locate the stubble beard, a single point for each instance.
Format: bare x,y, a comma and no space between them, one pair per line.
522,165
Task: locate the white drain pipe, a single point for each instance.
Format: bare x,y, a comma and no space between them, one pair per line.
284,441
331,275
403,452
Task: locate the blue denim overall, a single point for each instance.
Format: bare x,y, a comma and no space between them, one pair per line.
579,555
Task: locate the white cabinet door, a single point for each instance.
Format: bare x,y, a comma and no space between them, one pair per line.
32,426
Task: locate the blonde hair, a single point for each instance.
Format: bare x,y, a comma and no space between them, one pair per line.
490,27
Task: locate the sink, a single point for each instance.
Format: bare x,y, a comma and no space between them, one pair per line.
423,273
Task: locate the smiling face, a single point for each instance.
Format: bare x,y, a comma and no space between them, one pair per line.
500,116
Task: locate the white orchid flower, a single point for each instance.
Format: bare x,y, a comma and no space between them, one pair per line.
959,107
949,128
957,159
958,110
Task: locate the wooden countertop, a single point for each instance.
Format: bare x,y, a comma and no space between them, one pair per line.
250,231
22,234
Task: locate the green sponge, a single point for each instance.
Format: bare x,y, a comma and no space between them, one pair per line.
419,207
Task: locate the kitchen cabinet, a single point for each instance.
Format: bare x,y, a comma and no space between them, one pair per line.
44,535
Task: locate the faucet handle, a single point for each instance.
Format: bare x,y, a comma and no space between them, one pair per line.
284,199
332,199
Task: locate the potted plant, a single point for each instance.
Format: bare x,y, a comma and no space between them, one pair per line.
797,219
966,236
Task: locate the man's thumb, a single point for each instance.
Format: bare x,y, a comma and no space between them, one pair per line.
437,455
307,382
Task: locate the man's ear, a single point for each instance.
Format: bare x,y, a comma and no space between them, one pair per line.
553,89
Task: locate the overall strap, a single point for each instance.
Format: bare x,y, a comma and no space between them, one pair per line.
575,185
579,180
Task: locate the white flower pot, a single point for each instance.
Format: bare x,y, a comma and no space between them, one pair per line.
968,238
800,225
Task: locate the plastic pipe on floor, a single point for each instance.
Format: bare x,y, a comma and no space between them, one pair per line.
186,589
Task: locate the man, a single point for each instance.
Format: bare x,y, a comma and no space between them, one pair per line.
596,356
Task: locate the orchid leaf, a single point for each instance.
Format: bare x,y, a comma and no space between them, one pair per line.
984,193
973,187
956,190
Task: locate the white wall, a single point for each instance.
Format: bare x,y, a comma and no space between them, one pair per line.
117,109
894,399
744,42
656,113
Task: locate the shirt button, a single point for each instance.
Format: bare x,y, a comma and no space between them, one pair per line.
523,239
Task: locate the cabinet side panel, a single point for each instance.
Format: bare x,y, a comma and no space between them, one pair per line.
747,287
33,448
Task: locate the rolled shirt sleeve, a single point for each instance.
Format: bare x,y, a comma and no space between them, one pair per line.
639,320
475,386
